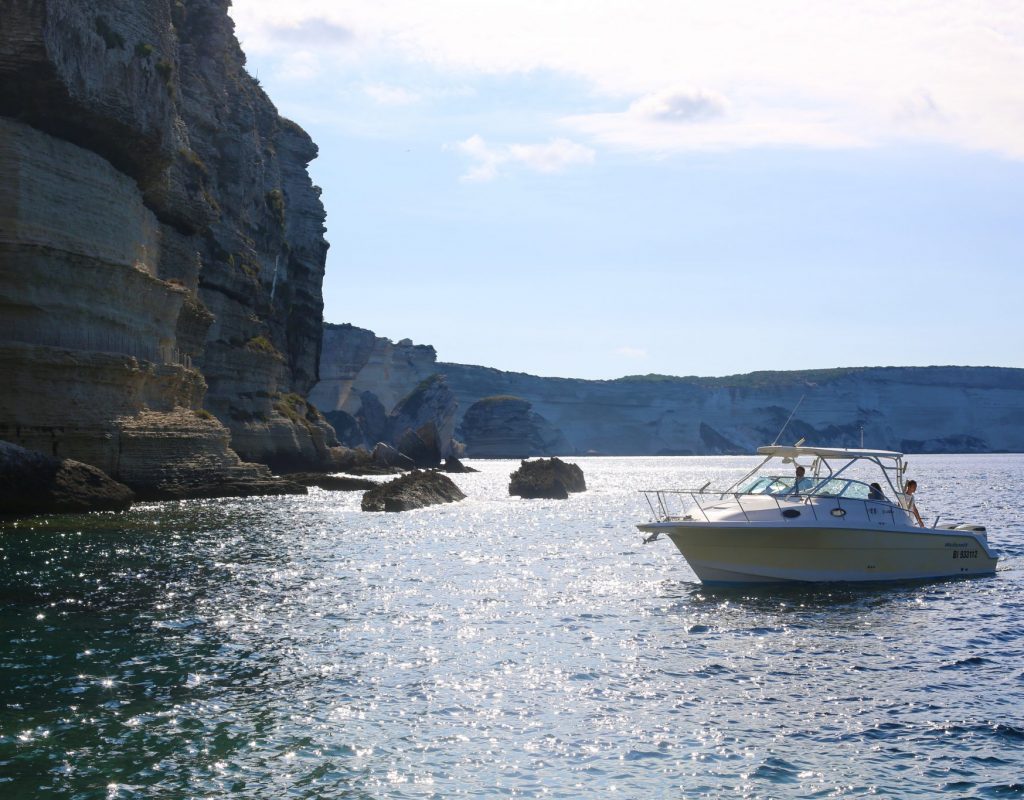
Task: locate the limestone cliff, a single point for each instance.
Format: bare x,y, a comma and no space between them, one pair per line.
161,245
507,427
915,409
364,383
354,360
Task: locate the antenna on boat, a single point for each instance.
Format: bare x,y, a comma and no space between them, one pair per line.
791,413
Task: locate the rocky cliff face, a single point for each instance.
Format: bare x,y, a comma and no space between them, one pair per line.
365,380
161,244
928,409
507,427
354,360
914,409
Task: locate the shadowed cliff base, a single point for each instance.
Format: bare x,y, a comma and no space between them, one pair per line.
34,483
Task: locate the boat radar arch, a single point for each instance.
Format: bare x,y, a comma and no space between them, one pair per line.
792,451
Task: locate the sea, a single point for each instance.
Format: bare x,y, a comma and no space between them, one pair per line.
296,647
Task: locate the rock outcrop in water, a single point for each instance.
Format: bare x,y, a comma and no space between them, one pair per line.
415,490
34,483
162,249
332,483
549,478
422,424
454,465
913,409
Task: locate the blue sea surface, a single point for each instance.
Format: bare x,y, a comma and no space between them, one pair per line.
296,647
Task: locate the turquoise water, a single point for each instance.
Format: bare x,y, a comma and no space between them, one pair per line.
296,647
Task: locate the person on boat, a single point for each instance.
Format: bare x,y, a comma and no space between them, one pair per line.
911,506
876,492
800,482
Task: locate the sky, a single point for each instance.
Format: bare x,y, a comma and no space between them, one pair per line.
599,188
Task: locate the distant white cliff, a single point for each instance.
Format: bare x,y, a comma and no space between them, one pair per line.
913,409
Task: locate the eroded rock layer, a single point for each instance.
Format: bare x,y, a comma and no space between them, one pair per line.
161,247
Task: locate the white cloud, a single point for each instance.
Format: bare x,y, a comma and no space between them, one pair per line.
300,66
309,31
679,106
551,157
809,74
487,159
391,95
555,156
799,127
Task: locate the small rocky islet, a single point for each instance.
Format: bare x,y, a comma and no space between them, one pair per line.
416,489
549,478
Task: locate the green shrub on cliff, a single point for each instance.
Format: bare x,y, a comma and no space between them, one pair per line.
166,72
498,398
261,344
750,380
111,38
179,14
192,157
275,202
239,261
295,408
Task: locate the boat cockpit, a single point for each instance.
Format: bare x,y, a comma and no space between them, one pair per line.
781,486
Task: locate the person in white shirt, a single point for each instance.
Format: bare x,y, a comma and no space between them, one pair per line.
911,506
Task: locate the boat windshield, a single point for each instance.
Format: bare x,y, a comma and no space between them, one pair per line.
767,485
809,487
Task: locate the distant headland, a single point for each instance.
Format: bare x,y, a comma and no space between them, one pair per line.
943,409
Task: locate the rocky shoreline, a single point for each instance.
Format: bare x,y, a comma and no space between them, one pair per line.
33,483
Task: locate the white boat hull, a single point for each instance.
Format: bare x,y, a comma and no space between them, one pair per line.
726,553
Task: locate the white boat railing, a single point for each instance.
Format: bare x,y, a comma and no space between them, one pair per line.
671,505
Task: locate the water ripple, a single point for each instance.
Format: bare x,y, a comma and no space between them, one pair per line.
298,647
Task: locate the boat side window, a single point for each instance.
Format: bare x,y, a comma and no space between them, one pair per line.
856,490
831,488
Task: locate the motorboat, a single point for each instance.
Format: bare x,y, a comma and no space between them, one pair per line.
828,524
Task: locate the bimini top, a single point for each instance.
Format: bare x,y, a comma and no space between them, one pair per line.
792,451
